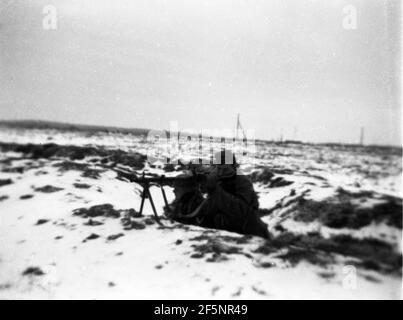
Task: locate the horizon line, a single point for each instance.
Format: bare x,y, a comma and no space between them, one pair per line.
99,127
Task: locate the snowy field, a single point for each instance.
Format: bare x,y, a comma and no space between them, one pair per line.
67,231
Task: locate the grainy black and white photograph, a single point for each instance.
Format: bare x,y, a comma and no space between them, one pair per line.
200,150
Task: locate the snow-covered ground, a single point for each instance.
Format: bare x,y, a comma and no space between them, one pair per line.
45,251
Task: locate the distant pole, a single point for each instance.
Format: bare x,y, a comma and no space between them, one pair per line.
237,126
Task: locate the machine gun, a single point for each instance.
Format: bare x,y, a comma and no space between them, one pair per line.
147,181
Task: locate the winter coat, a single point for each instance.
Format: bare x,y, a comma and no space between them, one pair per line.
233,206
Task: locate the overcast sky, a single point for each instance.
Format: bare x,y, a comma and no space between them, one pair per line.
284,65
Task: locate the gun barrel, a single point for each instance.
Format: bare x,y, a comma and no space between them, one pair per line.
153,179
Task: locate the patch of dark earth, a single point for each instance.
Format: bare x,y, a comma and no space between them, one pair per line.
10,169
41,172
267,177
86,170
342,210
327,275
33,271
26,196
108,158
93,223
216,250
367,253
5,286
41,221
92,236
283,202
9,160
238,292
237,240
131,220
371,278
48,189
101,210
131,224
81,185
5,182
114,236
259,291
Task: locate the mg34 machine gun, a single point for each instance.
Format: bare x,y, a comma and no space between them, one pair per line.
195,176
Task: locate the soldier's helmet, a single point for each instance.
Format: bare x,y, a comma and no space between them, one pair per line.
224,157
225,163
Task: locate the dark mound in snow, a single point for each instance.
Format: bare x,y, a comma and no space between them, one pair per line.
48,189
102,210
4,182
129,224
344,210
81,185
71,165
91,173
217,248
267,177
107,210
93,223
26,196
41,221
10,169
87,171
51,150
367,253
92,236
33,271
114,236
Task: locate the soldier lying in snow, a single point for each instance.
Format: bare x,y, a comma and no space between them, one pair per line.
231,202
